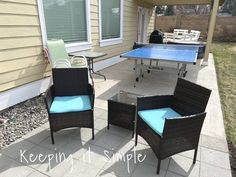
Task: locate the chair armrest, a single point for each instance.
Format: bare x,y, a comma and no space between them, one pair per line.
91,94
77,58
154,102
185,127
48,97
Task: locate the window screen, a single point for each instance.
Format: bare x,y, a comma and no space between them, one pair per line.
66,19
110,17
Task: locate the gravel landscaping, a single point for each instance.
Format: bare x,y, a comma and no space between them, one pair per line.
22,118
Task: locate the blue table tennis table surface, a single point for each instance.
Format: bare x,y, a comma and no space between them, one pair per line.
165,52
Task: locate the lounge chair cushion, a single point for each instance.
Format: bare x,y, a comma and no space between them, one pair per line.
155,118
63,104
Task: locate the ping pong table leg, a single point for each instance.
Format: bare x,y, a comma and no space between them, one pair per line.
141,69
150,63
178,64
182,70
136,71
150,66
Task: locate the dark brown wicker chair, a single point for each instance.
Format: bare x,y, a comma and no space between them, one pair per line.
179,134
68,83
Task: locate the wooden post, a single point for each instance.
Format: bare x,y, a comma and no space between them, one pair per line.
211,28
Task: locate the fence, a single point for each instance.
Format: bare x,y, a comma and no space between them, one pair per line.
225,26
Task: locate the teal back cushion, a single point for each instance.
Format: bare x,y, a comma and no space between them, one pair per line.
57,50
64,104
155,118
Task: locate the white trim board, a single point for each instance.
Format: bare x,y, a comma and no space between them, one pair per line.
19,94
108,62
22,93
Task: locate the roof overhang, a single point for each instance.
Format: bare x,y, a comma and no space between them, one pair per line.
180,2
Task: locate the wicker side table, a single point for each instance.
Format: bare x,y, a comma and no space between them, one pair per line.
122,110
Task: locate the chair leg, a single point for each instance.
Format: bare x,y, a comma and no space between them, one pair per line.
52,137
158,166
92,133
195,156
136,139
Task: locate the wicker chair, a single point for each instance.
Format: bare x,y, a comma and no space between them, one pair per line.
70,100
172,123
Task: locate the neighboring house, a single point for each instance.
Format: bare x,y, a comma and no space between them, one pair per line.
109,26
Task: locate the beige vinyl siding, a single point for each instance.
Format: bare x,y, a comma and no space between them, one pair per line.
21,59
13,75
30,2
179,2
16,8
25,80
19,31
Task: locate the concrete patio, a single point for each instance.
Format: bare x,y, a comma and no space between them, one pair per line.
86,157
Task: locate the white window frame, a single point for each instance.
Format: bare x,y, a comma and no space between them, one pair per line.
70,47
113,41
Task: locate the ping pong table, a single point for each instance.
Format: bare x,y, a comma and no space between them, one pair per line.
180,54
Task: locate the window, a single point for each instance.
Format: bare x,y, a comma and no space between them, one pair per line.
111,22
67,20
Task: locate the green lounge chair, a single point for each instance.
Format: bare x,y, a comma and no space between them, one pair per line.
59,58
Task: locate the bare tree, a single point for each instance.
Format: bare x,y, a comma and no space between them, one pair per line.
192,9
160,9
229,6
234,8
169,11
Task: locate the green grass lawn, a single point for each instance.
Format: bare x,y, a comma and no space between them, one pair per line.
225,62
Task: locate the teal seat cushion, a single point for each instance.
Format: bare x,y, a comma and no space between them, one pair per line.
155,118
63,104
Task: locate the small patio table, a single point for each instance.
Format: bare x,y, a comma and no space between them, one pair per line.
122,110
90,55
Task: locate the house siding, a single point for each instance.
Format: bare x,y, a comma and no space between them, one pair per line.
21,57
